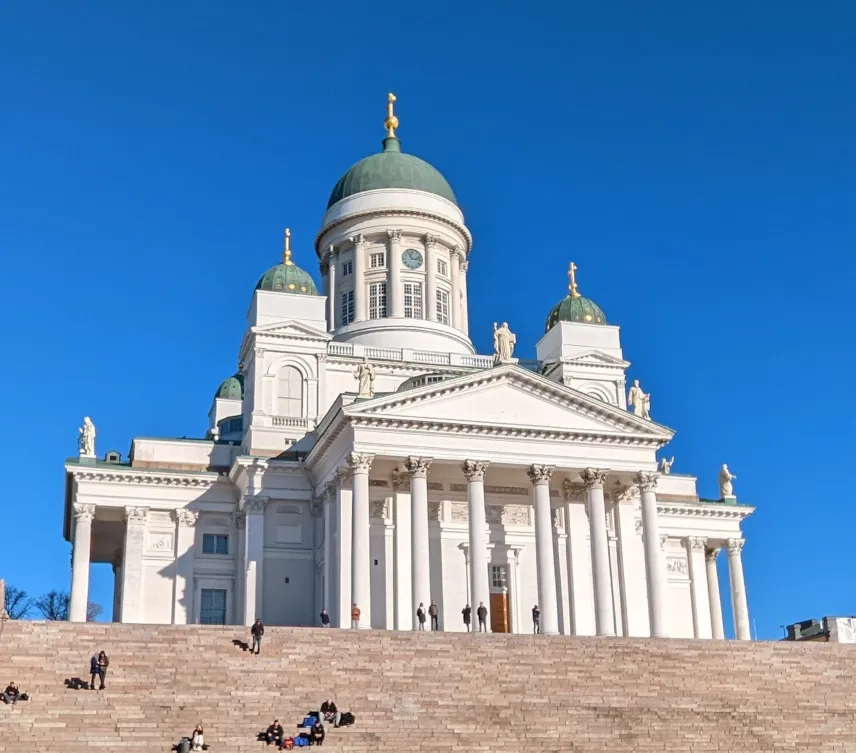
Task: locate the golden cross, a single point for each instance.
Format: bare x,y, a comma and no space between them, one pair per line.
573,281
391,122
286,253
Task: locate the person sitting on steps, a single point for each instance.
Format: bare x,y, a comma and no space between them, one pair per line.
12,694
329,712
275,733
257,631
197,739
316,734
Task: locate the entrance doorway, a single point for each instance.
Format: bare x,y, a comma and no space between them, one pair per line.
500,607
213,607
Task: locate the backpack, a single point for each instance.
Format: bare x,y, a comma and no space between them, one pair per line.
288,743
301,742
347,719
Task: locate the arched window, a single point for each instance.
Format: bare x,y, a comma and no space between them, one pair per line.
289,392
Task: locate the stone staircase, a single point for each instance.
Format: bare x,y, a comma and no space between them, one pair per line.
433,693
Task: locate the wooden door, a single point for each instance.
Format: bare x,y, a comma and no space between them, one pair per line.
500,621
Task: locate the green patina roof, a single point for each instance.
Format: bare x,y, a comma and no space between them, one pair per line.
575,309
231,388
287,278
391,168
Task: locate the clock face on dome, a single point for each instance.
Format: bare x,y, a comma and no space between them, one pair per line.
412,258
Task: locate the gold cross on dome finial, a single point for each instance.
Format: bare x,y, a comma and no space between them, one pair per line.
572,285
286,252
391,122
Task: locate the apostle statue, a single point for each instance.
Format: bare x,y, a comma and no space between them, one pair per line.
4,615
503,343
666,466
365,376
639,401
86,441
726,488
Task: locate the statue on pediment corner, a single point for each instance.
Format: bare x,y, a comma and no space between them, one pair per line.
86,441
639,401
365,376
504,341
726,488
665,466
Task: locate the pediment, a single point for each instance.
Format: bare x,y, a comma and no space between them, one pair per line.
291,328
509,397
596,358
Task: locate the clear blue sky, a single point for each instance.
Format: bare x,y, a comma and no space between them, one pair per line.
696,160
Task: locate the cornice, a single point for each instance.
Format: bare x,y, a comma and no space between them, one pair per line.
147,478
706,510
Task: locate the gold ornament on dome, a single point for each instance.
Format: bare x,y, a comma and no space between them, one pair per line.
286,251
391,122
572,281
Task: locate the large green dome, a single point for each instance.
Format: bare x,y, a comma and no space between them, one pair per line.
286,277
231,388
391,168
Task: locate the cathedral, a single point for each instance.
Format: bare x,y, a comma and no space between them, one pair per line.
364,455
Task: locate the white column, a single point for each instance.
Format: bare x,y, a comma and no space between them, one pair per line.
421,560
240,569
328,496
513,556
182,608
79,599
455,303
117,588
332,298
716,621
344,518
132,564
474,471
540,476
361,580
742,630
603,612
462,283
431,278
655,572
255,554
394,283
695,546
402,554
361,303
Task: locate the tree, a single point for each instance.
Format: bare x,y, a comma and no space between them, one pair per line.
18,604
92,611
53,606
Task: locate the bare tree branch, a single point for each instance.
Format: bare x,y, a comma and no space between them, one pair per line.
93,610
53,606
18,604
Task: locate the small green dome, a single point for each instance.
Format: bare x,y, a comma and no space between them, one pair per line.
575,309
231,388
391,168
287,278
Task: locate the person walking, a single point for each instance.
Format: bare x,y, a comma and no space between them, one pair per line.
467,613
434,613
482,615
420,616
355,616
536,620
325,618
257,631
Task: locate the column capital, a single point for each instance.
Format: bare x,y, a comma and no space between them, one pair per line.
417,466
330,488
358,240
317,507
594,478
430,240
540,474
711,554
83,513
137,515
342,475
464,266
695,543
646,481
360,462
573,491
240,520
734,546
255,505
394,236
185,517
474,470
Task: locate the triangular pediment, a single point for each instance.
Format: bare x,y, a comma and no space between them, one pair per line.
291,328
596,358
509,396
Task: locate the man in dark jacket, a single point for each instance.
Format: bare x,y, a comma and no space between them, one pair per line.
93,671
420,616
329,713
257,631
11,694
325,618
536,620
275,733
482,615
316,734
434,613
467,613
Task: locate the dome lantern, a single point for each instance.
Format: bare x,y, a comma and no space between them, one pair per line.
575,307
287,277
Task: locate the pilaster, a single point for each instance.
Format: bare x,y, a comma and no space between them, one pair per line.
185,521
132,564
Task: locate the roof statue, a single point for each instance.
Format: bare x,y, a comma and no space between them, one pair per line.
726,488
86,441
365,376
503,343
639,401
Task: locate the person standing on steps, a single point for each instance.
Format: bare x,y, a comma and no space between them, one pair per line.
482,615
434,613
355,616
103,663
536,620
93,671
420,615
257,631
467,613
325,618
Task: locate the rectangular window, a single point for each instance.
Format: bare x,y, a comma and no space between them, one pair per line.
212,609
377,260
347,268
377,300
443,306
442,268
498,578
413,300
347,307
215,543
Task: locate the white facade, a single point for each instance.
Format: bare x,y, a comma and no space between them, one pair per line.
459,481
